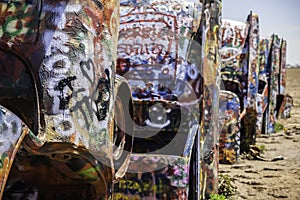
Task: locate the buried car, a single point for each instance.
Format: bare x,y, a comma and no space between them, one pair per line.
161,57
64,132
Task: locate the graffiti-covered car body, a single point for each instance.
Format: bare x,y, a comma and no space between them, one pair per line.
274,59
229,147
263,87
272,78
160,55
282,96
153,46
58,76
239,72
233,35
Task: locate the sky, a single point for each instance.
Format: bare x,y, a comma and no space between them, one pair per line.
275,16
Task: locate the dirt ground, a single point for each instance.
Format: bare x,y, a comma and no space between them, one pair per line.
278,179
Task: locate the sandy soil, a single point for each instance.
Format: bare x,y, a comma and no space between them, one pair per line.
279,179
